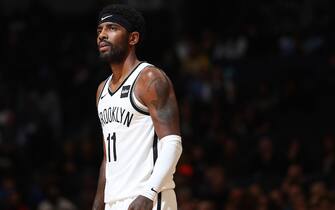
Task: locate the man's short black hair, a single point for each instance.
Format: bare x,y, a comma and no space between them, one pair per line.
133,16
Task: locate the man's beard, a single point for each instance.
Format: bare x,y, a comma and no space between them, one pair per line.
116,54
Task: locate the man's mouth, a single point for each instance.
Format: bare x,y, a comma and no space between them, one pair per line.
103,46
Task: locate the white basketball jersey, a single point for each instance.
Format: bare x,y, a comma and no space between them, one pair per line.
130,141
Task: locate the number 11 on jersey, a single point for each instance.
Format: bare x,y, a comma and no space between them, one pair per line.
109,138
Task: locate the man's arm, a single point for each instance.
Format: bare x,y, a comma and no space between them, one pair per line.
155,90
98,203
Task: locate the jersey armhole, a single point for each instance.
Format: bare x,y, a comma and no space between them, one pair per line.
137,105
103,89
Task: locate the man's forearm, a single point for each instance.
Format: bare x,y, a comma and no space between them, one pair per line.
165,165
98,203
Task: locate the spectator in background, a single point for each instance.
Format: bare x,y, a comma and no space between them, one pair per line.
328,156
55,200
266,167
206,205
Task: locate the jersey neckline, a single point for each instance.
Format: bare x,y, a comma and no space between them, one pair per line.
117,89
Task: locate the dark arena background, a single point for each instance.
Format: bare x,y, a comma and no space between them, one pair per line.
255,82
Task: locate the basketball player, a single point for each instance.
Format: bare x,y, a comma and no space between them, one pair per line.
138,112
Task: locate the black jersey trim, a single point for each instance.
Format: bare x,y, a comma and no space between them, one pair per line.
132,100
103,89
155,149
132,71
155,156
159,201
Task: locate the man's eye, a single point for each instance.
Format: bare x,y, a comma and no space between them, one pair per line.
112,27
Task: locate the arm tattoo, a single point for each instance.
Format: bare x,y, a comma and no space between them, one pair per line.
161,102
165,111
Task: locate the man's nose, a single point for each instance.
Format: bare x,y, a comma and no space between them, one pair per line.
103,35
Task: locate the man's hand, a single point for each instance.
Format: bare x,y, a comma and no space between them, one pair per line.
141,203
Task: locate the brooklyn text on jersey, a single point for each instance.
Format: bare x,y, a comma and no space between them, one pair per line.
115,114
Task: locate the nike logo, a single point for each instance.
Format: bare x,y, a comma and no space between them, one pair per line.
103,96
153,190
103,18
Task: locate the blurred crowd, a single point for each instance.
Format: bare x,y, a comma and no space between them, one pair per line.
255,98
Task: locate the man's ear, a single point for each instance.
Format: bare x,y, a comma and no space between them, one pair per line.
134,38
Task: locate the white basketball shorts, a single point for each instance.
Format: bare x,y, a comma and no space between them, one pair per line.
166,200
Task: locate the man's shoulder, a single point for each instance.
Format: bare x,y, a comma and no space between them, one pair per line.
151,81
103,83
152,72
101,87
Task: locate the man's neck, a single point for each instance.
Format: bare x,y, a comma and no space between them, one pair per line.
121,70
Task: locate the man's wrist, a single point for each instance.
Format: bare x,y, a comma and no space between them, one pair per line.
149,193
